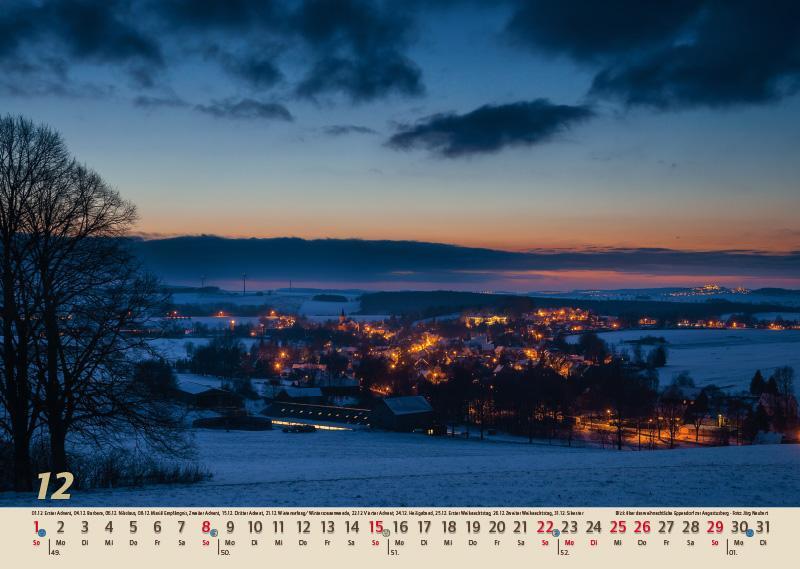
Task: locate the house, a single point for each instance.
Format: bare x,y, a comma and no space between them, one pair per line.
299,394
204,396
402,413
339,386
480,342
219,399
308,372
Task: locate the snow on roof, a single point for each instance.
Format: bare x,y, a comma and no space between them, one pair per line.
194,388
309,366
344,381
408,405
194,384
295,392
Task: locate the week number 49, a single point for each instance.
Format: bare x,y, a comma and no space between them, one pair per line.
61,493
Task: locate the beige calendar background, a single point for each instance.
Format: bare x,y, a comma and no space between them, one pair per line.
383,537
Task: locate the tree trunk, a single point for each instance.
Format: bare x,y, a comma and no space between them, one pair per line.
58,447
58,450
639,433
54,392
17,389
530,427
23,472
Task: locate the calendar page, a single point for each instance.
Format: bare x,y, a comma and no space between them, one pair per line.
373,283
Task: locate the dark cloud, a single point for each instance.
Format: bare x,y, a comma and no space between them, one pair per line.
231,15
93,31
362,79
342,129
675,54
592,30
355,48
738,53
48,76
260,71
246,109
490,128
359,49
683,53
360,24
225,109
147,102
255,64
99,29
183,258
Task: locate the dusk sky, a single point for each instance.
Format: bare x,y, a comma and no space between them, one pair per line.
515,125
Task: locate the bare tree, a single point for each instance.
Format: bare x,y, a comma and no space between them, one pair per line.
91,290
784,380
96,398
74,224
671,408
31,158
71,295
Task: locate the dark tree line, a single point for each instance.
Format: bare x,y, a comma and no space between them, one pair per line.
537,401
778,393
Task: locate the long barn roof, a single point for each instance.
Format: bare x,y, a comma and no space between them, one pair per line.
408,405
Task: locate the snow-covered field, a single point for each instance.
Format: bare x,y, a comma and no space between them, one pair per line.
172,349
300,302
226,297
282,302
351,468
726,358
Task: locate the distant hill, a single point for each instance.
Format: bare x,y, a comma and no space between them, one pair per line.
776,292
329,298
376,265
437,303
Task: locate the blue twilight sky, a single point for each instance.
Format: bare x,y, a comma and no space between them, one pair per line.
510,124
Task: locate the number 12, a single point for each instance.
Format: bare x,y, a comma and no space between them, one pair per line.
59,494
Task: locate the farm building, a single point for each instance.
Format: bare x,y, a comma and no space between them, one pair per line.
318,413
339,386
204,396
299,394
402,413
